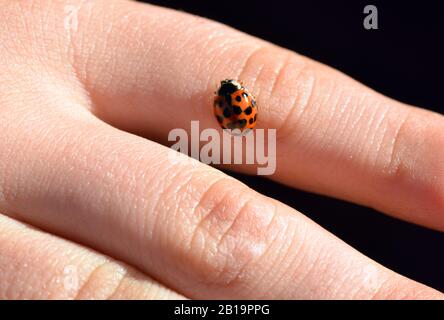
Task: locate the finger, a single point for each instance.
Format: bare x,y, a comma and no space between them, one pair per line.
157,70
187,225
36,265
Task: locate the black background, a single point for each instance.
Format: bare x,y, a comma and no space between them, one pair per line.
402,59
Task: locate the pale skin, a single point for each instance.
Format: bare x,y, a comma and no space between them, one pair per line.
88,93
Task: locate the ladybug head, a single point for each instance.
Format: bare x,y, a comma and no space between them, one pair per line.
228,86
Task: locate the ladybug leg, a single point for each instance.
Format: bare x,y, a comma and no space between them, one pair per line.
215,89
254,98
216,86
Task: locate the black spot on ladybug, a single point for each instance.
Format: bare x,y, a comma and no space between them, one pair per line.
238,98
255,116
220,119
251,121
248,110
242,123
228,99
237,110
227,112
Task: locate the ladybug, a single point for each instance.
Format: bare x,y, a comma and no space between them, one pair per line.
234,106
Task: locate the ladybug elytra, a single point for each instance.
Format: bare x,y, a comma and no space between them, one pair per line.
234,106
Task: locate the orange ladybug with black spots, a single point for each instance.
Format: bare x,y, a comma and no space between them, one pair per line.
234,106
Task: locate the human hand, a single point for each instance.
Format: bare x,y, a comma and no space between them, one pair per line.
92,209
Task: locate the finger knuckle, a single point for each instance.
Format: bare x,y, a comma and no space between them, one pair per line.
416,164
102,282
235,227
280,78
